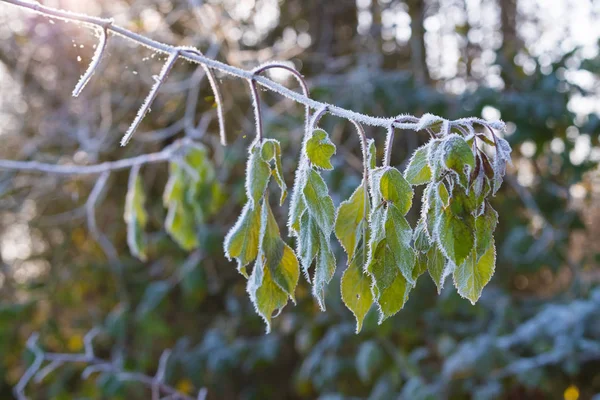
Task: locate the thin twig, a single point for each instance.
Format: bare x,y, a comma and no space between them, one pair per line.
95,364
151,158
195,56
173,56
85,78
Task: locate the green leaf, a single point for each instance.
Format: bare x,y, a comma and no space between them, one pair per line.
180,225
271,151
276,254
242,240
136,216
485,225
457,156
308,242
434,159
318,202
474,273
351,220
456,227
324,269
390,289
297,208
356,289
443,195
258,173
320,149
431,207
418,171
420,237
372,154
265,294
398,236
436,264
420,266
395,189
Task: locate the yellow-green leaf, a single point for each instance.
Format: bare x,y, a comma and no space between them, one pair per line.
474,273
396,190
242,240
351,220
356,289
320,149
418,171
136,216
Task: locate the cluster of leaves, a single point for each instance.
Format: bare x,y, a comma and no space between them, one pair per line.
192,194
256,236
385,255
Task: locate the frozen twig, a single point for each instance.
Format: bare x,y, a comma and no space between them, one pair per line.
35,371
195,55
158,81
94,63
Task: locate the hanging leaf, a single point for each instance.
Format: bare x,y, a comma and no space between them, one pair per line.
320,149
456,155
242,240
135,216
398,236
418,171
276,255
456,227
436,265
312,213
485,225
474,273
258,173
271,152
192,195
351,220
356,289
394,188
502,157
180,225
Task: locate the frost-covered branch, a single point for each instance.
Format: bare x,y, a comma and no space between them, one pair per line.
195,55
151,158
94,364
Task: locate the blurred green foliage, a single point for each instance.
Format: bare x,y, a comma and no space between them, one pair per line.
534,333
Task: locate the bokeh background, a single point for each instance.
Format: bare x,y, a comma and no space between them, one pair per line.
534,334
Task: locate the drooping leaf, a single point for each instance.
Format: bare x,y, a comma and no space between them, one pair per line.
398,236
418,171
436,264
319,204
456,227
242,240
265,294
485,225
136,216
420,266
356,289
474,273
501,158
324,269
180,225
276,271
396,190
351,220
276,255
456,155
271,152
320,149
422,242
258,173
314,239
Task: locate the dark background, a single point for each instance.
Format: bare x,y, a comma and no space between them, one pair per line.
534,334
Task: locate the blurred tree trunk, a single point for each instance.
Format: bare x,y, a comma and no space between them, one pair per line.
510,40
416,10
